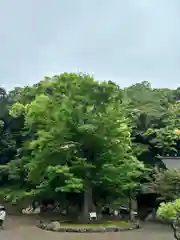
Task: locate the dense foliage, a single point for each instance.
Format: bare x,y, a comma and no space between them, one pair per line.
72,137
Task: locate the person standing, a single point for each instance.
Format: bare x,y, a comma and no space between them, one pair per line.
2,216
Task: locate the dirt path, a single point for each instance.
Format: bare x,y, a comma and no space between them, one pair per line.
18,228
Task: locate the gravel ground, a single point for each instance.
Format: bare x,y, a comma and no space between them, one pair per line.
18,228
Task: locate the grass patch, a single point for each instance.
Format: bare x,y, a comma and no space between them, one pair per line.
113,223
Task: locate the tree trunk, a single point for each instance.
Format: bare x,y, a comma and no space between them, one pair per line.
130,208
154,214
88,205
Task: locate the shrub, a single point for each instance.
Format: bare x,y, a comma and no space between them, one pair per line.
168,211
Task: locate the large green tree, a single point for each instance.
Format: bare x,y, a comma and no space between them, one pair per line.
82,139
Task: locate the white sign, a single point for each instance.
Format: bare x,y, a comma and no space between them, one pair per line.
93,215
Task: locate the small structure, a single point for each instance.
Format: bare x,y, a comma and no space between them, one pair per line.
148,201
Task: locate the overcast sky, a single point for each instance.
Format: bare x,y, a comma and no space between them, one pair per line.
126,41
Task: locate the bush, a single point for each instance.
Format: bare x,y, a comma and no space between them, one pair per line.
168,211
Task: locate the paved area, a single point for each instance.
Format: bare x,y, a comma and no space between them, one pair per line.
18,228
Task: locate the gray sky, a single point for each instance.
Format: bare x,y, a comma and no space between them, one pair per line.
126,41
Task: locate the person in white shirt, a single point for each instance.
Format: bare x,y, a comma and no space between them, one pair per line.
2,216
